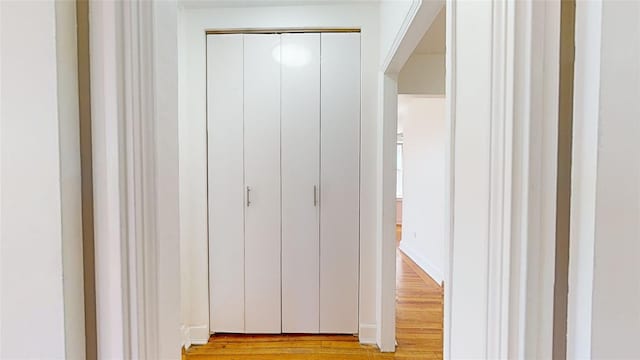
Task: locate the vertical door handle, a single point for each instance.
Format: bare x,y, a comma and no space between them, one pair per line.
248,196
315,195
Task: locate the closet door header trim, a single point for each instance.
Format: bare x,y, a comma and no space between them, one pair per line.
282,31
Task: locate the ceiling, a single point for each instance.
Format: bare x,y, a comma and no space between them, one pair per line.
433,41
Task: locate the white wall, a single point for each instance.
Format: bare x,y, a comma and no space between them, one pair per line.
165,81
193,199
422,74
604,290
185,270
423,208
584,174
40,212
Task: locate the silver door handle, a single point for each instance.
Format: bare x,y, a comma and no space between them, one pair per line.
315,195
248,196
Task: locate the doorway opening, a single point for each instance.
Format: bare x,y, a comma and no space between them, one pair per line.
420,194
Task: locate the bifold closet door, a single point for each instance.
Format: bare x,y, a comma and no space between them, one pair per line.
226,183
300,66
262,258
340,182
283,122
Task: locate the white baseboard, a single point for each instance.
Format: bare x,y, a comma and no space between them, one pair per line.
195,335
367,334
184,332
433,272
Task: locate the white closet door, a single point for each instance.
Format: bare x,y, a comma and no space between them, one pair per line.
300,61
226,183
262,180
340,178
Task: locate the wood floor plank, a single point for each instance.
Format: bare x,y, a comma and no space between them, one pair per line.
419,314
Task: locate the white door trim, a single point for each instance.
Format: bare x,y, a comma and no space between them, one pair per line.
134,125
524,83
535,153
585,178
112,296
449,163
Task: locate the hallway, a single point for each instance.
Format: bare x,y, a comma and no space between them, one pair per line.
418,330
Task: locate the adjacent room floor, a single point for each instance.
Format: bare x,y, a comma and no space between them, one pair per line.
418,329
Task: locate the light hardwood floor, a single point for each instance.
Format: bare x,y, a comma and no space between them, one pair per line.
418,330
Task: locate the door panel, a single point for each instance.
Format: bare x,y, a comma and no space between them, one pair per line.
340,178
226,183
300,60
262,177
